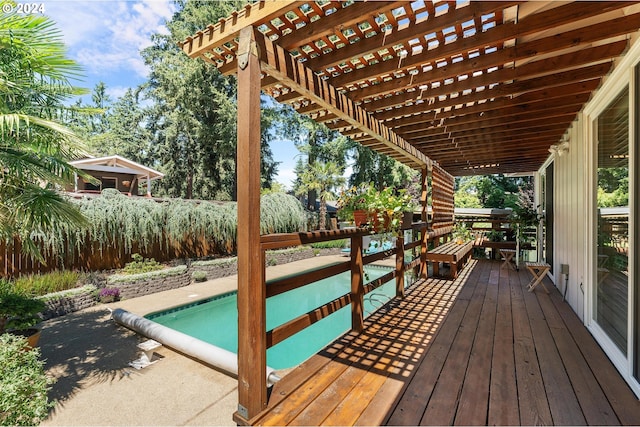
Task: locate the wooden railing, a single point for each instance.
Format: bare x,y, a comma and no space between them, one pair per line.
501,225
420,237
355,264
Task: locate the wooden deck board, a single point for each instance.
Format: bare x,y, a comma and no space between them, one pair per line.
474,400
445,398
533,405
410,409
503,398
624,403
479,350
563,403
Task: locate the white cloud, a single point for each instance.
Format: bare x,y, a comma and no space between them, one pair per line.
117,91
286,177
107,36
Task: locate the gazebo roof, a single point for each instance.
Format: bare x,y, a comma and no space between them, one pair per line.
117,164
478,87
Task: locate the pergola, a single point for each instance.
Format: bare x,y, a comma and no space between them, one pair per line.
459,87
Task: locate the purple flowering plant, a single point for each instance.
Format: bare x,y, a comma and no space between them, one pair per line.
109,295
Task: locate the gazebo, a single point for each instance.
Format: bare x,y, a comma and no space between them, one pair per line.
114,172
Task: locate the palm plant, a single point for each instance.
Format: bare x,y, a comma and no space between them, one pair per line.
321,178
34,148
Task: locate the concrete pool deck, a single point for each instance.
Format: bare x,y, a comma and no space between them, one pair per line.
88,354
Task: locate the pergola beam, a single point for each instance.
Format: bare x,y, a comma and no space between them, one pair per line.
228,29
538,89
525,82
520,113
565,61
486,128
342,18
279,63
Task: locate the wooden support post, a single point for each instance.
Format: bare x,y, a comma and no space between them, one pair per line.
252,353
400,264
424,230
357,285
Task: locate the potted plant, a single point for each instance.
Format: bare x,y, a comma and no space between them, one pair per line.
381,210
461,233
393,208
19,313
354,203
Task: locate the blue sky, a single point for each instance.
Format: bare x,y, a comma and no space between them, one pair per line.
106,38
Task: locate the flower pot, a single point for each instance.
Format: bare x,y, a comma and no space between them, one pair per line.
32,335
380,225
360,217
407,220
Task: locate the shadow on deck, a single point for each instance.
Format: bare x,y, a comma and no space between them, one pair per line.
479,350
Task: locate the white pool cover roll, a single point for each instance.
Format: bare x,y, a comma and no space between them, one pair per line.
208,353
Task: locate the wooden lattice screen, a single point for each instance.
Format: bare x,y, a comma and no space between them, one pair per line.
442,198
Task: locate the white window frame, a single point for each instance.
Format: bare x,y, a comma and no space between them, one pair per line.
622,77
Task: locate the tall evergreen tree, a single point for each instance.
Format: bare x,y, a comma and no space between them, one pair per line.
193,118
316,143
380,170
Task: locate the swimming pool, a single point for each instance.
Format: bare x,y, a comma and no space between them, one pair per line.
215,320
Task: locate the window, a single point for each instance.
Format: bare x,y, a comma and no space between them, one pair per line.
108,182
610,309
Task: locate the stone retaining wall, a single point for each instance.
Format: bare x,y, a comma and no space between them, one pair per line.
64,304
67,303
152,285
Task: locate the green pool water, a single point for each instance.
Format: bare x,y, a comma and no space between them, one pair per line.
215,320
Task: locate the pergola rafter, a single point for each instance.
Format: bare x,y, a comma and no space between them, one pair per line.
402,63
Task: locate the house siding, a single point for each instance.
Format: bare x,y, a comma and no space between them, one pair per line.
570,220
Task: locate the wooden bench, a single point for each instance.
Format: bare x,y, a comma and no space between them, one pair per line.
452,253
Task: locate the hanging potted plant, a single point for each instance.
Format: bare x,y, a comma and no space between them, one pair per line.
394,209
383,211
19,313
354,204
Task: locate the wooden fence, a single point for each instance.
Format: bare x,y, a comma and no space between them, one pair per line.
91,257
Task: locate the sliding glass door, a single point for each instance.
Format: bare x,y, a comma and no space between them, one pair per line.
611,305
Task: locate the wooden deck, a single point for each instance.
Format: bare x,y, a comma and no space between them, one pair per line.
479,350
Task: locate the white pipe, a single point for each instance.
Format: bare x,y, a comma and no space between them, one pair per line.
208,353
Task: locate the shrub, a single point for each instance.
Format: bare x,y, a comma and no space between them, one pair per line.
42,284
70,293
141,265
218,262
281,213
331,244
23,382
115,220
17,310
270,262
107,295
199,276
287,251
130,278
